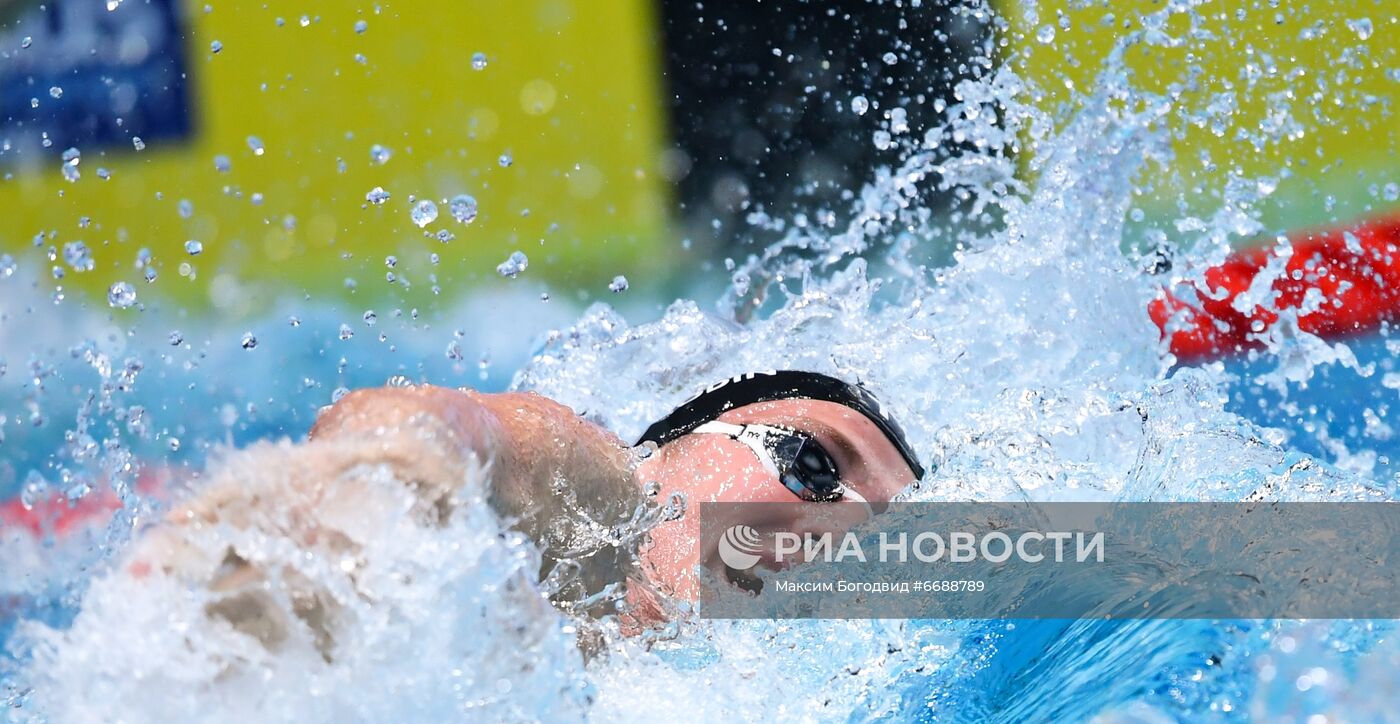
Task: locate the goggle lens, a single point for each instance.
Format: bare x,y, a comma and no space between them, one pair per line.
807,469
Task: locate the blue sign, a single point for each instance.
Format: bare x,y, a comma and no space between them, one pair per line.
91,74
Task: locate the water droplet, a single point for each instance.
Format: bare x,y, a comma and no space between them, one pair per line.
176,339
346,332
77,255
174,444
7,266
454,351
899,120
510,268
55,92
150,274
137,143
377,196
113,5
1046,34
222,164
248,341
478,61
860,105
882,140
103,173
618,284
338,393
463,208
890,58
371,318
506,160
121,295
216,46
256,198
26,42
256,145
72,155
380,154
361,26
194,247
294,321
305,20
1362,27
424,212
186,208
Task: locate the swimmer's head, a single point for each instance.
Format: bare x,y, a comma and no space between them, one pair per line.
824,445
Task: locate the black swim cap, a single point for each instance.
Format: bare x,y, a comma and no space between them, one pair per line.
753,387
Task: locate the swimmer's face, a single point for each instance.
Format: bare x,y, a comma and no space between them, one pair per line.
710,468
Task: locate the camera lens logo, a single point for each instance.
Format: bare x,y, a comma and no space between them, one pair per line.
739,547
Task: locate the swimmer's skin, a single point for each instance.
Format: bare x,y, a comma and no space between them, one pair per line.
528,440
533,440
548,470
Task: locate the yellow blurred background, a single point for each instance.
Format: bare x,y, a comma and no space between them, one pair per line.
569,93
572,94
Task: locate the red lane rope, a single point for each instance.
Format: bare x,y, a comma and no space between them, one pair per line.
1358,278
57,516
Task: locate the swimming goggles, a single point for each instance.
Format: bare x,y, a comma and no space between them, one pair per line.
792,457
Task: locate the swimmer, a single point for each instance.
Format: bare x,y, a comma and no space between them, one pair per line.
776,437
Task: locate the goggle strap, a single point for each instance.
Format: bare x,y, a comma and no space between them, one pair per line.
752,439
715,427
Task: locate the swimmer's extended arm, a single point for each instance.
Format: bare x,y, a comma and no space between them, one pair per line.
542,458
549,473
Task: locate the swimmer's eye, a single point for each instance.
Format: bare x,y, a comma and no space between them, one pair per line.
806,468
